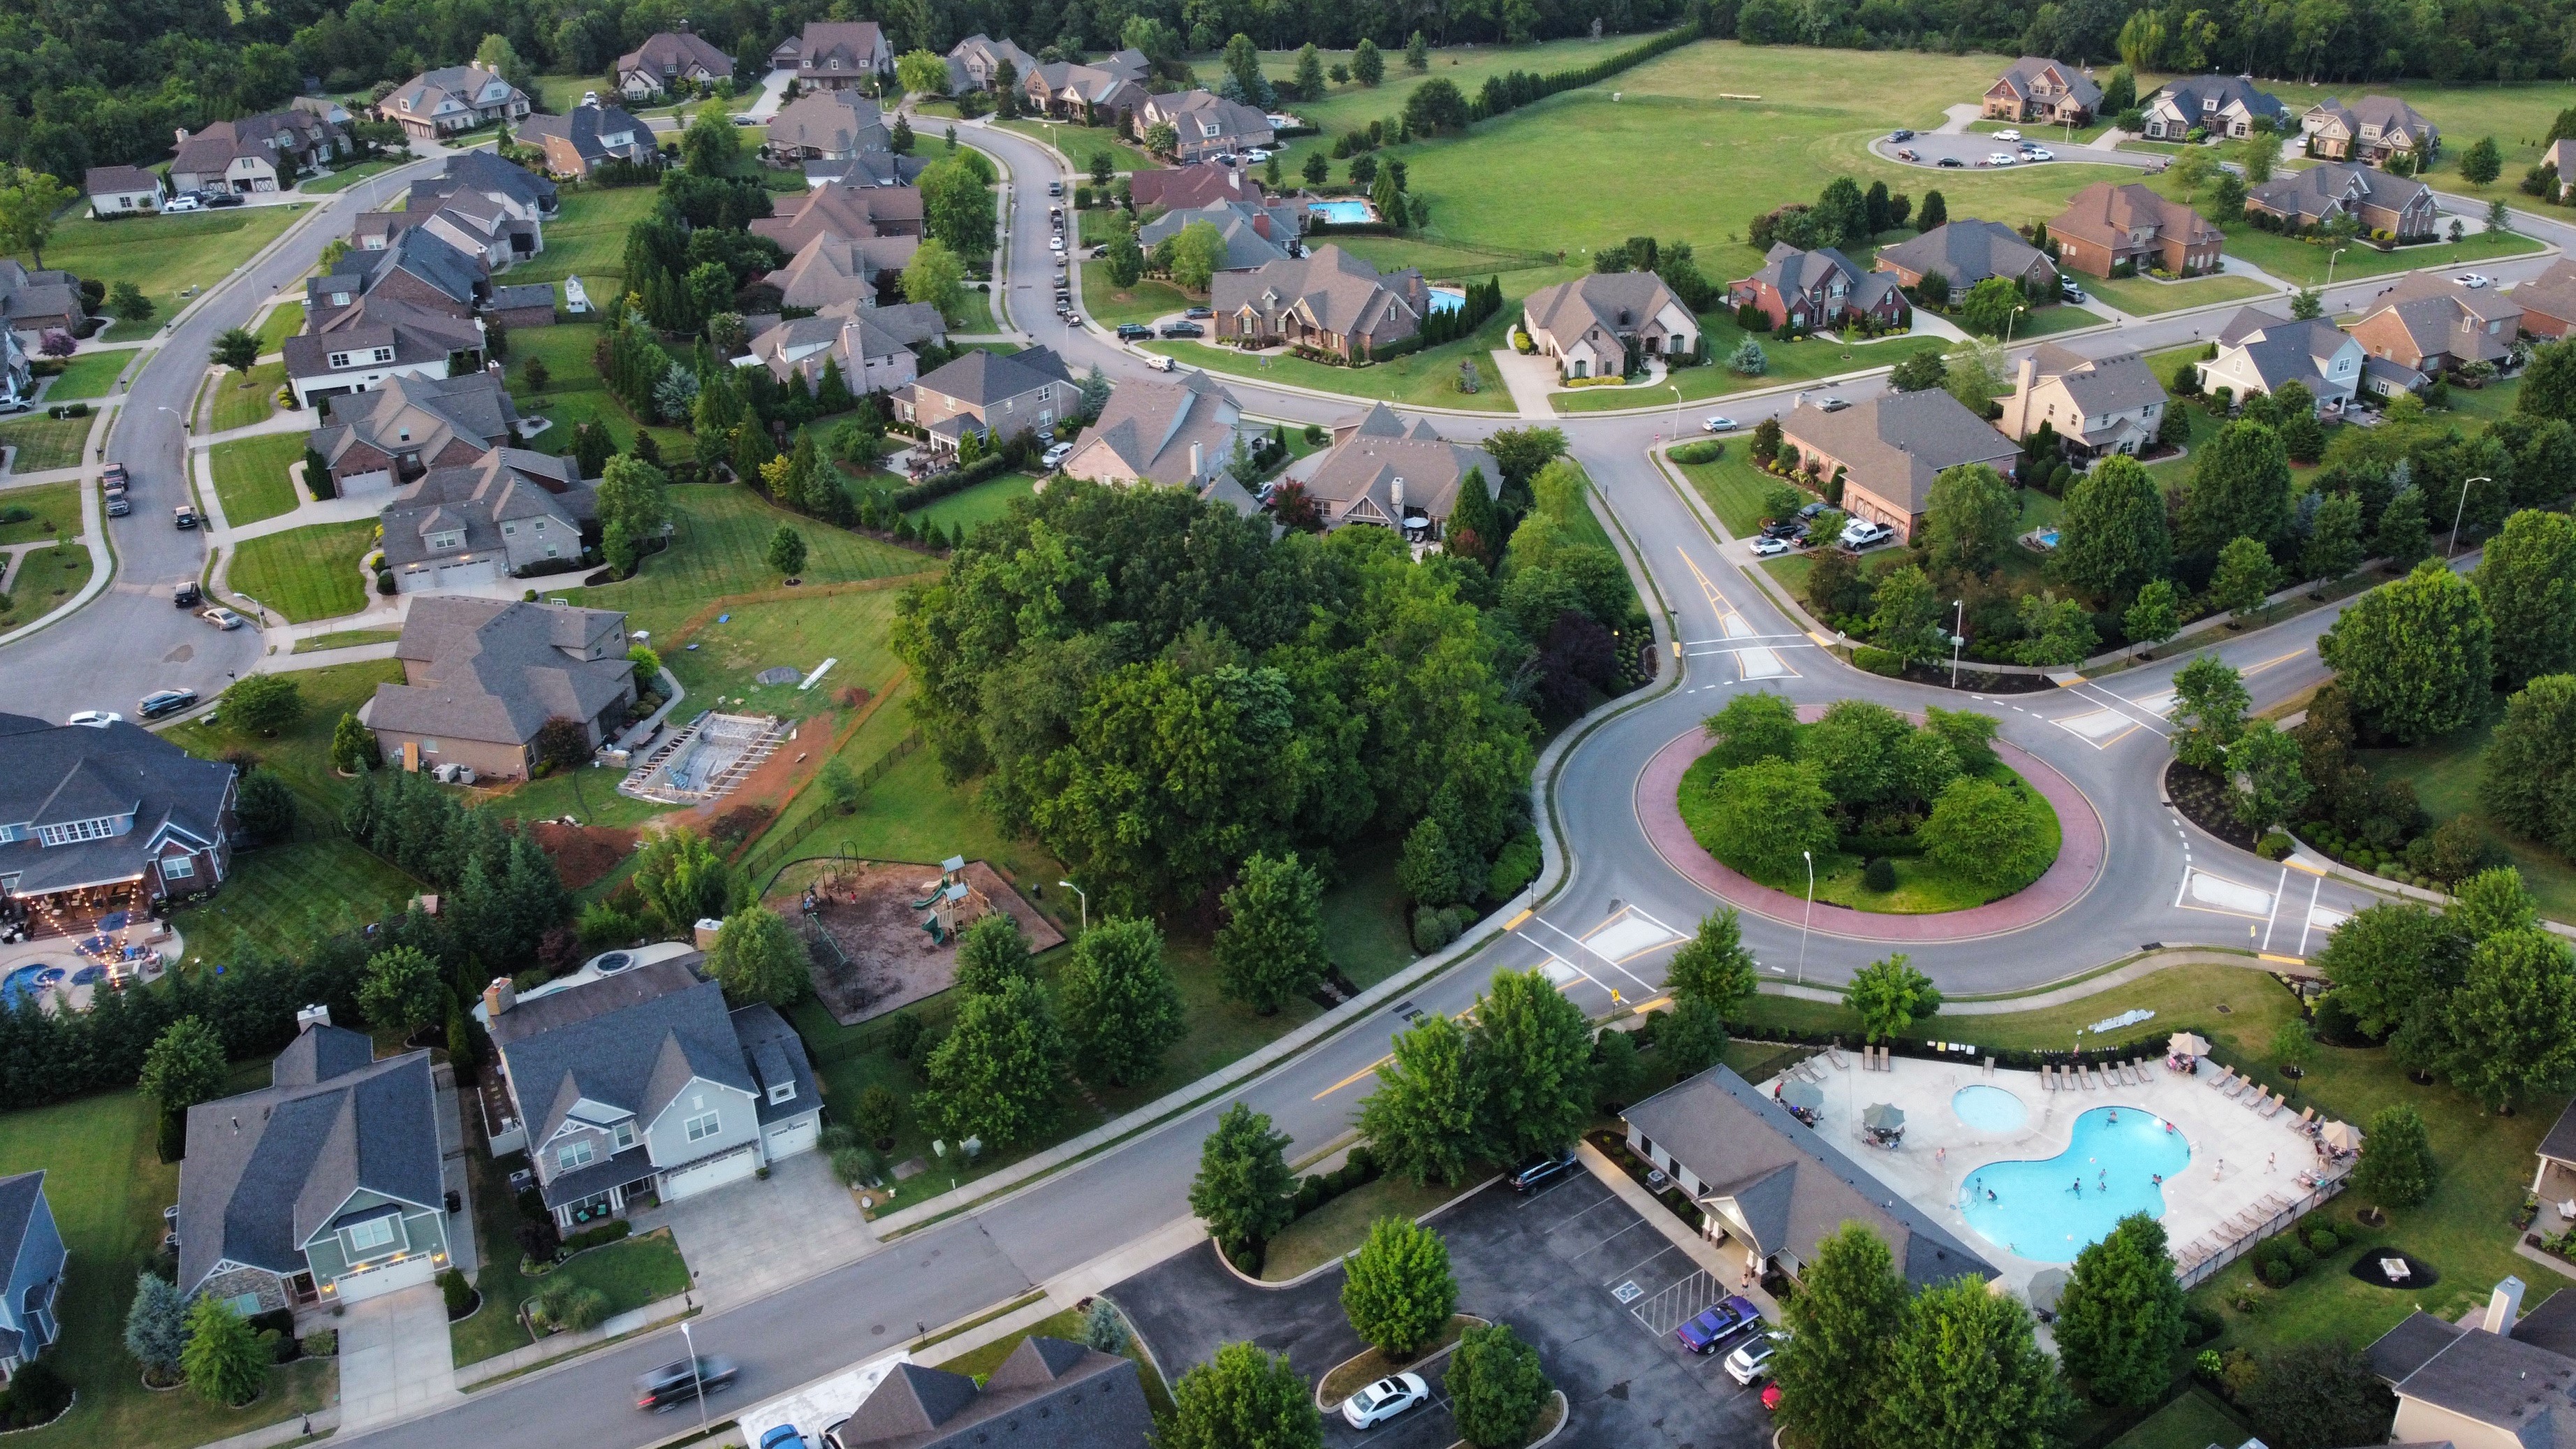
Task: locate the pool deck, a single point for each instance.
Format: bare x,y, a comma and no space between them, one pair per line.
2239,1159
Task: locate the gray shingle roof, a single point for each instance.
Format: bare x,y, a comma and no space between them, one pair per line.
2324,189
1150,424
59,773
841,209
1379,455
2281,350
416,335
2552,294
2022,74
433,260
496,671
1618,303
433,411
665,55
485,171
2100,384
1252,237
110,180
2518,1387
583,127
2190,93
19,1194
833,122
980,378
777,1054
1341,291
505,485
1967,252
1049,1394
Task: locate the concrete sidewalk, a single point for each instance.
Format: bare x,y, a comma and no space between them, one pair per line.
1725,1261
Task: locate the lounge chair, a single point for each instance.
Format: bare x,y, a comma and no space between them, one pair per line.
2218,1080
2091,1080
2278,1102
2307,1115
1836,1054
2126,1080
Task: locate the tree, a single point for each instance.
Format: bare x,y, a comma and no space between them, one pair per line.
1496,1387
787,551
1122,1009
183,1067
2240,488
127,301
684,881
1890,995
2120,1318
1270,950
2403,538
2265,771
934,275
31,206
2244,578
265,703
759,958
2054,630
2111,537
2333,548
1763,815
1196,254
236,349
1933,215
712,146
1713,967
1368,67
2393,966
922,73
1968,519
2317,1396
1244,1191
402,990
1990,305
2549,382
266,805
1748,359
633,506
1127,260
1435,106
956,207
991,955
2154,617
1756,726
1986,832
2306,304
2415,655
1691,1037
2482,163
1848,1305
1529,1057
1397,1289
2396,1166
2208,712
2512,1022
1919,372
2527,585
1422,1119
1964,1371
1907,615
1316,169
994,1075
2527,778
225,1361
156,1326
1242,1398
1310,73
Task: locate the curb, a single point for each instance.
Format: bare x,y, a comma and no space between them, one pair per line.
1320,1269
1410,1366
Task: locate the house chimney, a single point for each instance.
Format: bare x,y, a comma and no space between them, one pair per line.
1399,501
2503,1306
1198,454
311,1017
499,997
183,135
2029,371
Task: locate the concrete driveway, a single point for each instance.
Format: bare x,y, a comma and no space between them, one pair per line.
749,1239
395,1362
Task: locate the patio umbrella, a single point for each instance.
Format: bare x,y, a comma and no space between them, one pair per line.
1805,1096
2045,1288
2341,1136
2185,1044
1880,1117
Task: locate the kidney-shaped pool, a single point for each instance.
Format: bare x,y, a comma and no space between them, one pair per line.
2047,1211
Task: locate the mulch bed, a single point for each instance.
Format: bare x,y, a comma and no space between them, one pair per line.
2419,1274
2205,801
583,854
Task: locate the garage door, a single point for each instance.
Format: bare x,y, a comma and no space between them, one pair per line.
789,1138
409,1273
357,483
715,1172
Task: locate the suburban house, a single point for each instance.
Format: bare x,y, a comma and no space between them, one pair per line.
873,346
1255,235
527,195
396,431
1206,124
2498,1379
1889,448
374,338
38,302
1384,470
835,55
1179,431
325,1185
2548,301
828,126
2035,88
989,393
1597,324
1095,94
1819,289
2099,405
121,190
669,59
975,63
2432,324
255,153
1766,1180
2401,206
1049,1394
2258,352
2369,130
588,136
832,269
17,370
1203,183
2560,158
1328,300
841,209
2105,227
450,99
642,1082
416,265
108,808
1967,252
482,676
2221,105
33,1248
509,514
529,305
475,223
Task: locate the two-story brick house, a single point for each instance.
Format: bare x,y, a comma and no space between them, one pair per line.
107,809
834,55
256,153
482,677
2035,88
988,393
2107,228
509,514
669,59
450,99
1820,289
2433,324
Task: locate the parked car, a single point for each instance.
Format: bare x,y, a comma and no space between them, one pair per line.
1718,423
2472,279
1789,528
1900,134
117,506
184,516
1199,312
1771,1397
2037,153
225,198
1769,546
1055,188
1539,1173
1257,155
2070,291
782,1436
16,405
741,120
1160,363
1055,455
182,202
1711,1327
1751,1361
2000,158
1133,331
1860,533
674,1384
187,596
113,477
1183,329
1384,1400
1055,243
1950,163
97,719
1907,153
1808,513
223,618
1831,404
164,701
1096,253
2008,133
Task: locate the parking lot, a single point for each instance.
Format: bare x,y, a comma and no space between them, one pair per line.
1597,1289
1971,148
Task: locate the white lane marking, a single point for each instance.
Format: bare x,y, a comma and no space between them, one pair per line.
1761,664
2225,897
1627,936
2275,917
2314,911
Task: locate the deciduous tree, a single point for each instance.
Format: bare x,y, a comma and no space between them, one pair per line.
1965,1371
1271,948
1397,1289
2154,617
2209,711
992,953
2240,488
1244,1191
1848,1305
1713,967
1985,832
2527,777
2111,538
1422,1119
1529,1057
1968,519
994,1076
1762,817
2243,579
2526,582
1239,1399
402,990
2416,655
2396,1167
183,1066
265,703
2512,1022
1122,1009
1890,995
2265,769
2120,1318
1496,1387
2333,548
759,958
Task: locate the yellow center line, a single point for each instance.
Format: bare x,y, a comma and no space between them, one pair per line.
2275,659
1367,1071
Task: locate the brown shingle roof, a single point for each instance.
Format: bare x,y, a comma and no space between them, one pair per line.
2105,215
1895,444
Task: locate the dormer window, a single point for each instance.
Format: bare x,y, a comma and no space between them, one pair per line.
575,1154
403,435
453,538
783,1091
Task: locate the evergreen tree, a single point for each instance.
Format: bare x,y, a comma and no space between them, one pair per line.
1713,967
1122,1008
225,1361
156,1326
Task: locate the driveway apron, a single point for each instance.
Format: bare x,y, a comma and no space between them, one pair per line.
395,1362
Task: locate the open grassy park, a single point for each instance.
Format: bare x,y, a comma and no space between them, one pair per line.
165,255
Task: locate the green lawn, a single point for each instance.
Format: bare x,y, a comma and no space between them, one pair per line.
1799,361
347,176
302,751
91,374
1353,105
986,500
795,633
46,576
284,322
1428,378
574,393
1364,921
1081,143
345,639
107,1187
306,573
1340,1226
44,443
1732,487
251,479
2517,115
50,510
720,547
165,255
241,399
2194,1421
630,1274
1150,298
587,239
2444,774
2304,264
287,897
2145,296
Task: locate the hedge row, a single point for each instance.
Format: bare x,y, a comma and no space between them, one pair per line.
955,480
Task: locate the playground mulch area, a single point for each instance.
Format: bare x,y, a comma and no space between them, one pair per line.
583,854
889,961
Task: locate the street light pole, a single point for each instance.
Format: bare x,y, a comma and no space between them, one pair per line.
1810,918
2330,265
697,1379
1677,411
2009,321
2462,508
1086,903
1958,637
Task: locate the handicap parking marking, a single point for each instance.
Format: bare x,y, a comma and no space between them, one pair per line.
1675,1304
2204,890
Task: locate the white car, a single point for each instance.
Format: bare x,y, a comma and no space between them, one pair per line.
2001,158
1256,155
2472,279
1055,455
1751,1363
223,618
97,719
2008,133
1831,404
1384,1400
181,202
1055,243
1861,533
1719,424
2037,153
1770,547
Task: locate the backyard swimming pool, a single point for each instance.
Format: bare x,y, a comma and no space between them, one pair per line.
2047,1211
1448,299
1989,1109
1343,213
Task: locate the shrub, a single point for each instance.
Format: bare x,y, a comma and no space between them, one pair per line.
1432,929
2276,1271
2274,845
458,1292
903,1034
1878,661
613,1230
37,1394
1707,450
322,1343
2301,1257
853,1165
1878,875
2323,1240
570,1308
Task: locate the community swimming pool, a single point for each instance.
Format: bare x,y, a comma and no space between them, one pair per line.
2048,1210
1342,213
1989,1109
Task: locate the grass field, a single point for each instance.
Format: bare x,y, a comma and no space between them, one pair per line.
1081,143
2145,296
107,1187
347,176
250,476
91,374
1732,487
284,898
574,393
283,322
301,752
1364,923
1466,66
1150,298
2194,1421
306,573
2518,116
46,576
2445,776
1800,361
1340,1226
45,443
587,239
165,255
344,639
2303,264
713,660
241,399
720,548
630,1274
1428,378
986,500
54,504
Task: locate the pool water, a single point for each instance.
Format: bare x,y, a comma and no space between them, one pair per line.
1989,1109
1342,213
2036,1210
2048,539
1448,299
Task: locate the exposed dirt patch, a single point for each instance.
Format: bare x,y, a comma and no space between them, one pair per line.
2371,1268
583,853
867,910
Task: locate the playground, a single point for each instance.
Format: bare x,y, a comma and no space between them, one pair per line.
885,932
